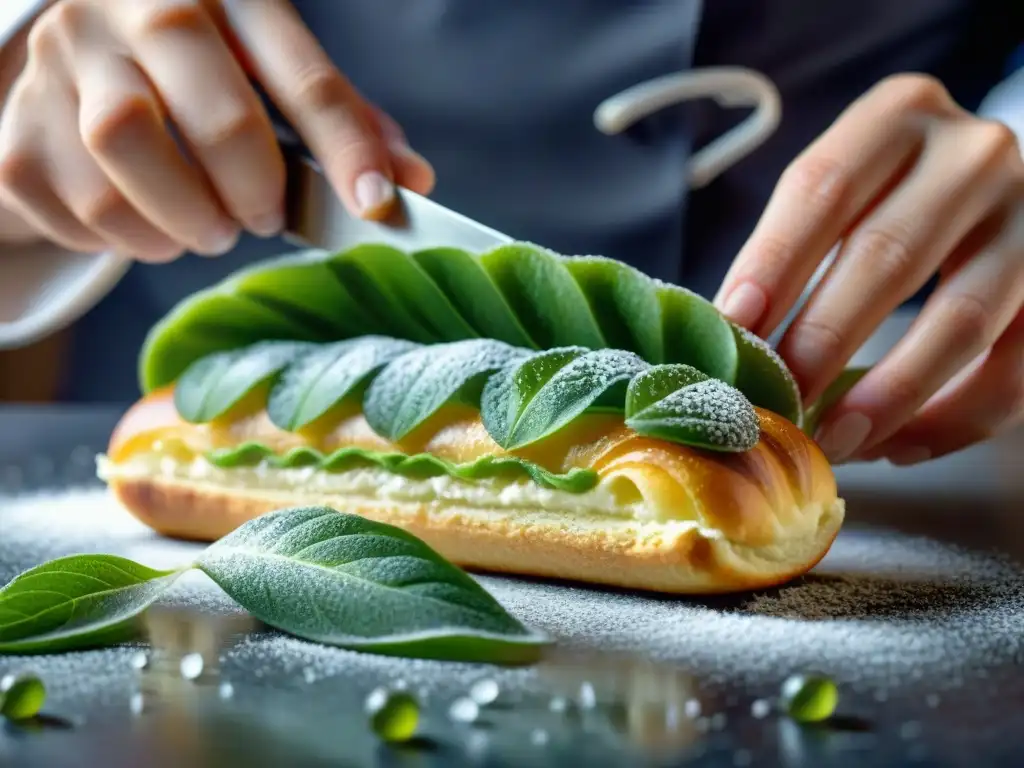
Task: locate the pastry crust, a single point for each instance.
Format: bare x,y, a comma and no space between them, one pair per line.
664,516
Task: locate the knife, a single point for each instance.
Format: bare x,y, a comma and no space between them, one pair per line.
315,217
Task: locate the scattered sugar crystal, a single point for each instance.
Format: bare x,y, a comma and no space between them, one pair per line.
464,710
191,666
485,692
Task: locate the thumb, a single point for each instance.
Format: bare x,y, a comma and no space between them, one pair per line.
325,109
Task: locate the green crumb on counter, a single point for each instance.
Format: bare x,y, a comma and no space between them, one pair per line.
809,698
21,696
394,715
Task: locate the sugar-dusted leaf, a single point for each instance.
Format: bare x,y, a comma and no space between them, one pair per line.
625,303
547,300
843,383
530,400
474,295
696,333
680,404
348,581
418,466
213,384
415,385
764,378
316,382
80,601
393,288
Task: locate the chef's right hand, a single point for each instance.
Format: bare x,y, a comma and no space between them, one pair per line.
88,161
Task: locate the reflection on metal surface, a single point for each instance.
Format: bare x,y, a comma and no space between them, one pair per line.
652,704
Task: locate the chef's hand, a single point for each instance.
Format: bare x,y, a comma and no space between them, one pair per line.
913,186
87,159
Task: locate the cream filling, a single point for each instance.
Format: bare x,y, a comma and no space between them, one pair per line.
611,499
607,498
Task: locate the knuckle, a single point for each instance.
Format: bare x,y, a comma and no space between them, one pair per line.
886,249
321,87
820,182
996,140
103,131
103,210
62,20
153,19
42,41
971,319
904,387
234,123
820,339
915,90
18,170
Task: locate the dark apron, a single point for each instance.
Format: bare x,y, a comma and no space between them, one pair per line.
500,96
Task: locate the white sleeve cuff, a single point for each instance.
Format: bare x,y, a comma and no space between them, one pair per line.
44,288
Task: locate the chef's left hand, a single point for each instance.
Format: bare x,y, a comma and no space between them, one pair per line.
913,186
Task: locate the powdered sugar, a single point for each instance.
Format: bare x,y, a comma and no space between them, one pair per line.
882,609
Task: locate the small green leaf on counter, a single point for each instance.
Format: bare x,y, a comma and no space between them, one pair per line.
681,404
76,602
345,580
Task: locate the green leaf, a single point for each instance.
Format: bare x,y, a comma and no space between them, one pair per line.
680,404
81,601
533,399
625,303
420,465
843,383
344,580
697,334
474,295
207,322
305,289
764,378
414,386
400,294
212,385
544,296
316,382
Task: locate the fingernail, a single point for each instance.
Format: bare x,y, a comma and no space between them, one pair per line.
915,454
269,224
840,440
745,305
373,191
222,240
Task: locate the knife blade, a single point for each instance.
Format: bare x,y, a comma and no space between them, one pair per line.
315,217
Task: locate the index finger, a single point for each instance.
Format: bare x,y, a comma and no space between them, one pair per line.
821,195
325,109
